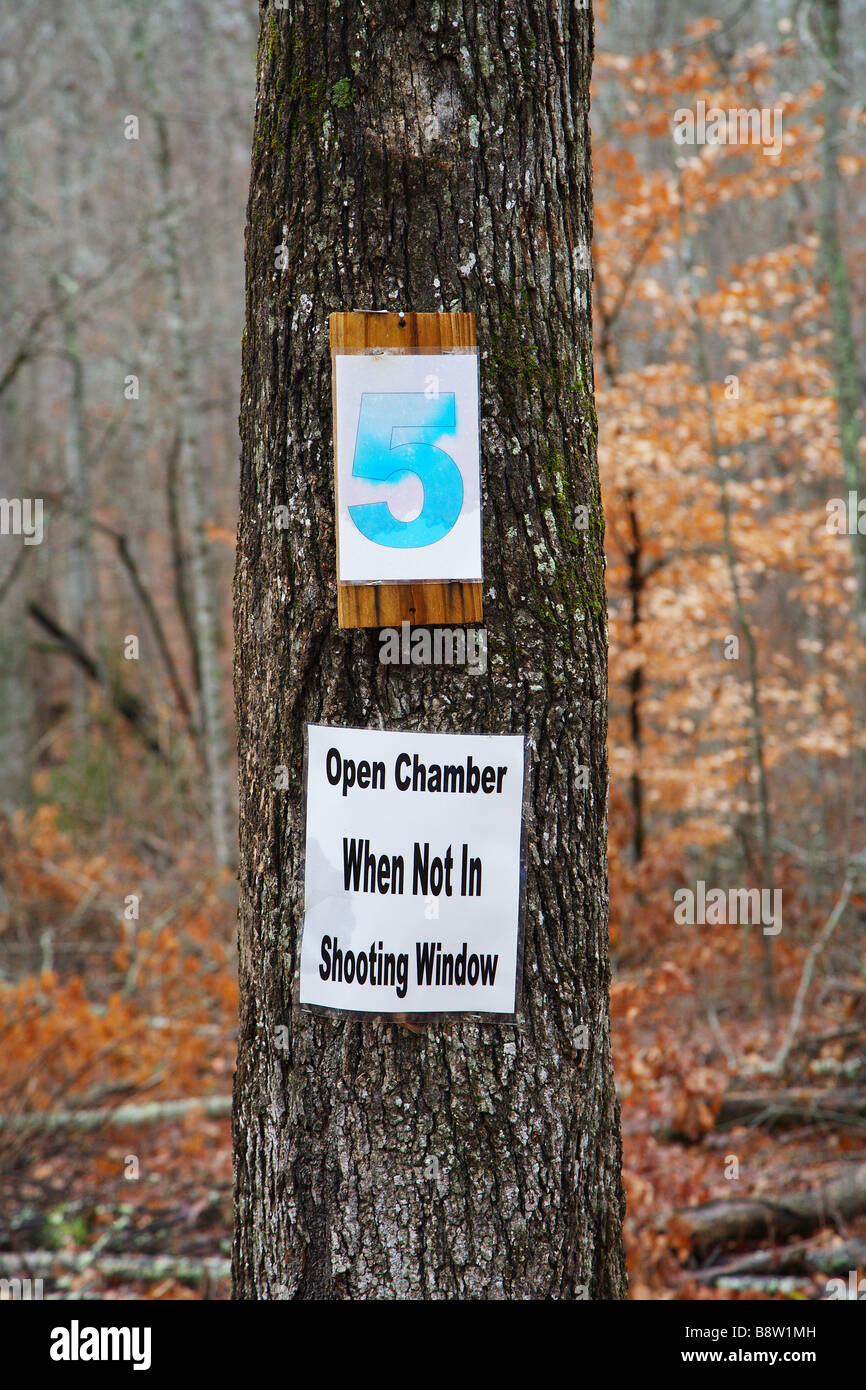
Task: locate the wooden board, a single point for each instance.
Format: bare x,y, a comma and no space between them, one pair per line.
428,602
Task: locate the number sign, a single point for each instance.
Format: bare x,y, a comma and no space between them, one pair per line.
407,466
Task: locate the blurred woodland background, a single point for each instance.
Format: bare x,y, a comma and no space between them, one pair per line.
730,368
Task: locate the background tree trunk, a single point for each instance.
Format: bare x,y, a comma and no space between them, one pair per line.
191,476
82,600
16,690
418,158
834,268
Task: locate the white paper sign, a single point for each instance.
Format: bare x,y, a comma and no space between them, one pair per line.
408,470
412,887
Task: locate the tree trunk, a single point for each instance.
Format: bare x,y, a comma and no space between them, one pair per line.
636,581
414,158
843,352
192,474
81,608
16,690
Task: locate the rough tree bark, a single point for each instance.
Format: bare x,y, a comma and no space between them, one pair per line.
426,157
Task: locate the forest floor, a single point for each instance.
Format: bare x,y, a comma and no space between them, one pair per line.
98,1011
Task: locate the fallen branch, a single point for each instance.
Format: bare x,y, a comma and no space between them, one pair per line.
840,1107
41,1264
792,1107
818,1040
800,1258
157,1112
750,1219
773,1285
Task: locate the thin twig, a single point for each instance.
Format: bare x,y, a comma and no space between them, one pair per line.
818,945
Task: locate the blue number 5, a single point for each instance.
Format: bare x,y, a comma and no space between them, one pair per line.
394,429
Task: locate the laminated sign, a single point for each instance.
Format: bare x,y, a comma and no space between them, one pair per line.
413,872
407,468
